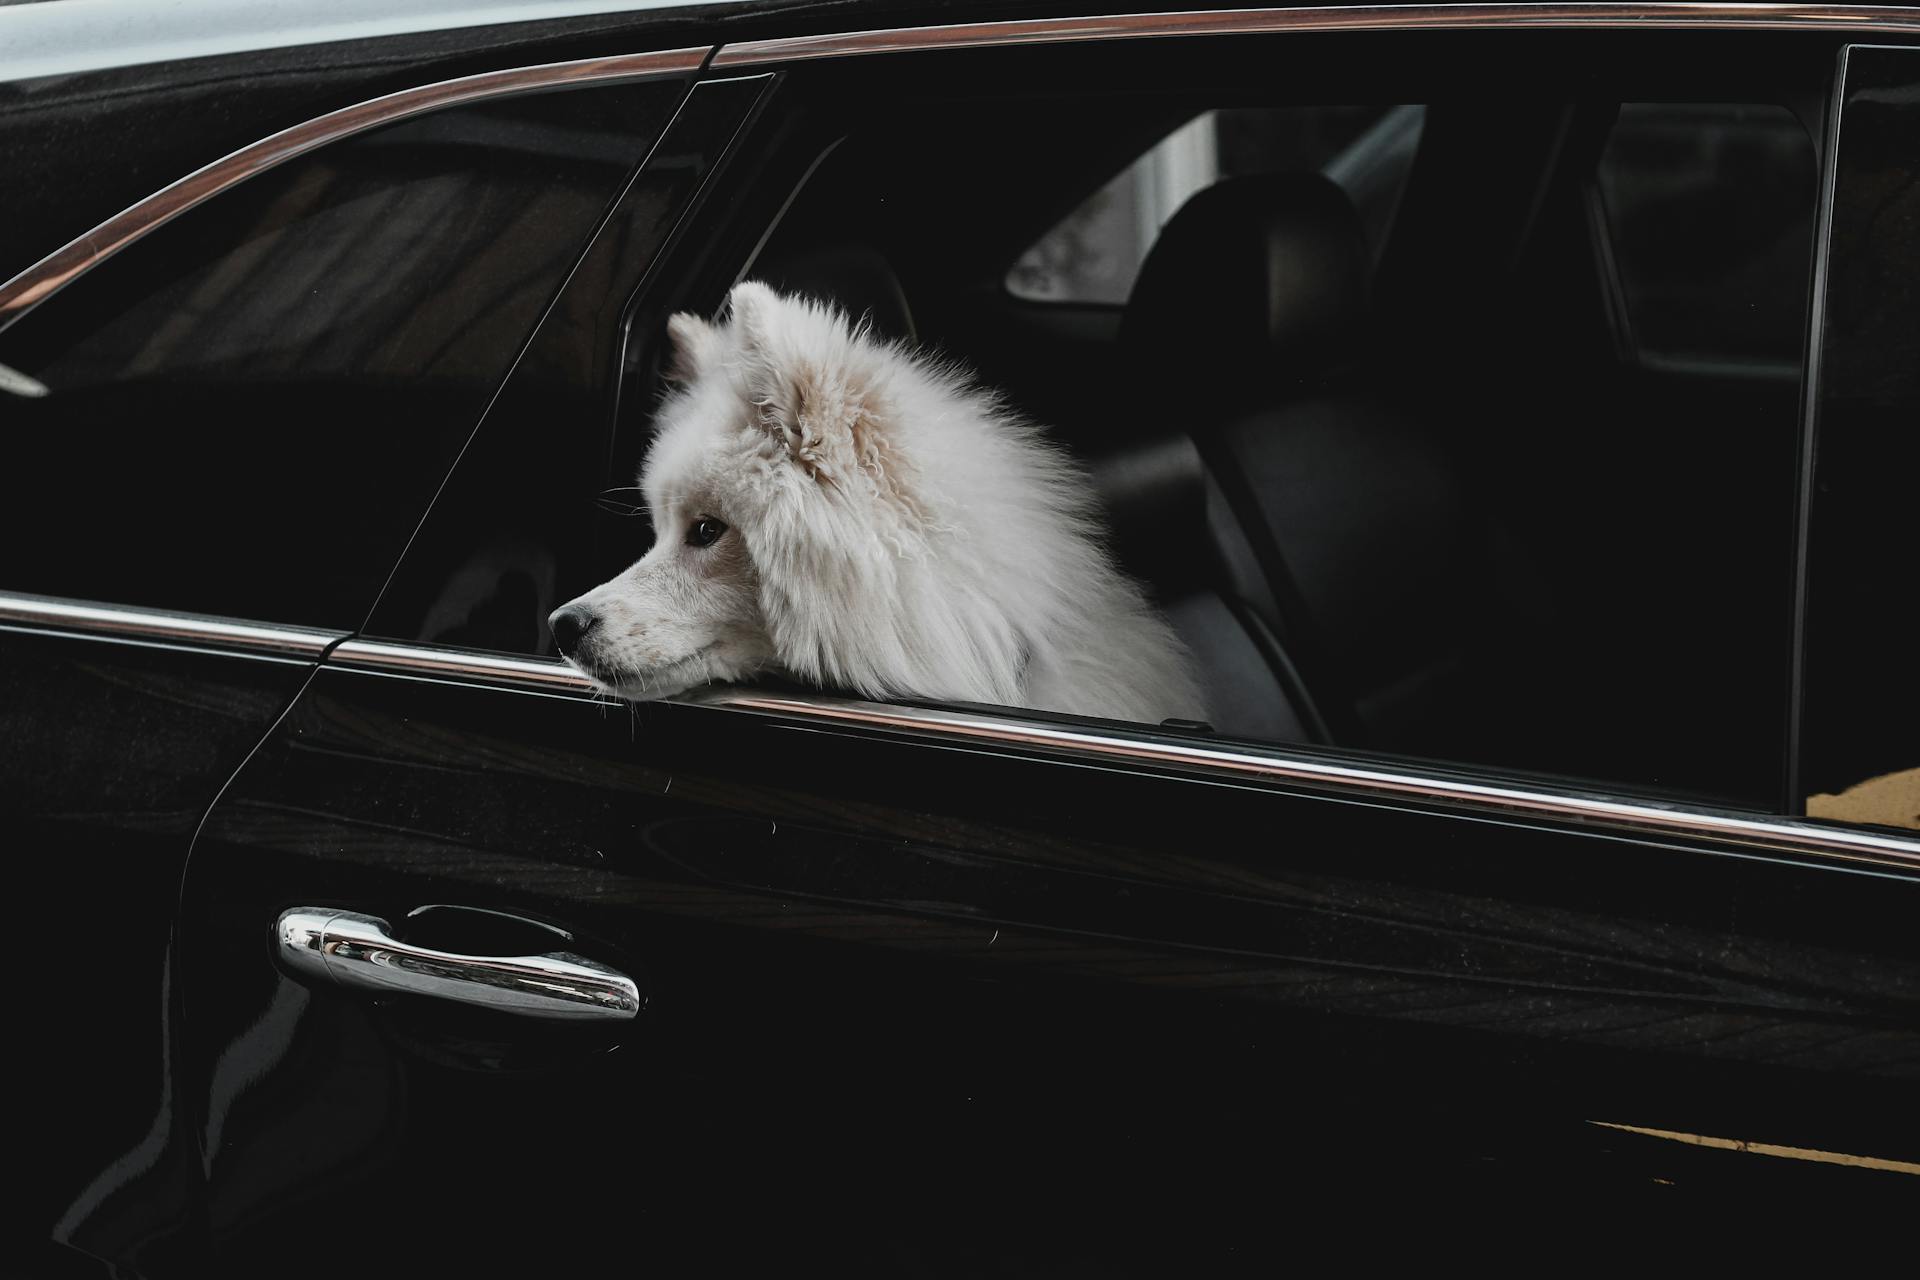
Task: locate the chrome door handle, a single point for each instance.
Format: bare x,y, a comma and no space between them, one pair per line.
361,952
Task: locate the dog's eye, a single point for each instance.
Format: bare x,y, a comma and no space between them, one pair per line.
705,532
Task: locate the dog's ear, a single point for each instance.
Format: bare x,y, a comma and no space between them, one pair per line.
754,309
693,346
811,387
772,375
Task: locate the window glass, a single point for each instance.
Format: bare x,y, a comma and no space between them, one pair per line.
1095,252
246,412
1860,748
1708,210
513,532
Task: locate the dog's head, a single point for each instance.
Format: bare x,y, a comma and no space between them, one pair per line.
777,508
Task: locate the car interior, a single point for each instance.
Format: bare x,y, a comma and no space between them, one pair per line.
1462,430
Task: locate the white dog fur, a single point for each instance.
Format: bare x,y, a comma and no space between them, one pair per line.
888,530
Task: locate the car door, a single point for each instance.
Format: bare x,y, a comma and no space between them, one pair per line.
192,401
947,987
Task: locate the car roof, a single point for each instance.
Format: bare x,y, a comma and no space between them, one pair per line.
40,38
62,37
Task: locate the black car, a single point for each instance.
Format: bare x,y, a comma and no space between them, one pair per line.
1515,407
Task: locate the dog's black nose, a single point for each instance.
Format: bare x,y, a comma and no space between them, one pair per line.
570,624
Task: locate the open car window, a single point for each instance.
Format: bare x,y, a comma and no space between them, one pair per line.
1418,502
1354,412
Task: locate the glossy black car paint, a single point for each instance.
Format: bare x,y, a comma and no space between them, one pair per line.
114,752
874,963
111,754
909,1004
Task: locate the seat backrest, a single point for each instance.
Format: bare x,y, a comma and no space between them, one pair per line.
1171,529
1250,318
1255,285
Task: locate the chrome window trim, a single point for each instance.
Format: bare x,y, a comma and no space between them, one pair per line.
1380,784
166,626
57,270
1399,17
545,675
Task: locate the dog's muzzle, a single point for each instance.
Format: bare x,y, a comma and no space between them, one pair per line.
570,624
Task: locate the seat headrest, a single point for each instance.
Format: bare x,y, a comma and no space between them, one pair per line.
853,277
1254,283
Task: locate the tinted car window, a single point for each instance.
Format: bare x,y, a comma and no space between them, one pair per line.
1708,210
514,533
245,413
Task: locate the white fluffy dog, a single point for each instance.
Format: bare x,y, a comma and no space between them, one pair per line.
840,511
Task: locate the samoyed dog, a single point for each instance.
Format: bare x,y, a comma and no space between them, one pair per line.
843,512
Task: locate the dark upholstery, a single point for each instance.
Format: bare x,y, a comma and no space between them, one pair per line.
1381,577
1387,564
1170,530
